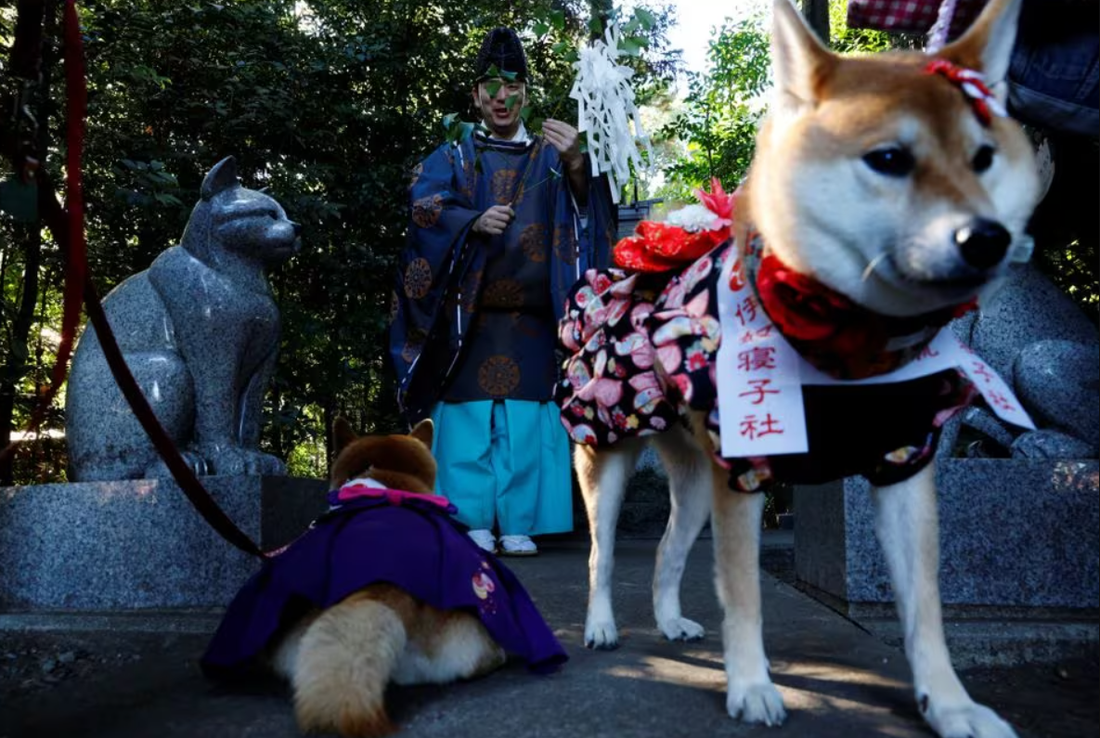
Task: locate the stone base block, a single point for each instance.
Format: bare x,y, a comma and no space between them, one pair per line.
974,643
1019,541
139,544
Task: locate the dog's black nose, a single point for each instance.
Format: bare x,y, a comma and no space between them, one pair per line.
983,242
297,228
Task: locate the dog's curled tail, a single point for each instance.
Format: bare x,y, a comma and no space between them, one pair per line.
340,663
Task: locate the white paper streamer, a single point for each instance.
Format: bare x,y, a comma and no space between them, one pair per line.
606,111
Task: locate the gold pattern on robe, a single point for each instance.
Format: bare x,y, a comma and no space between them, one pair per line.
565,243
418,278
504,185
521,190
426,211
502,294
534,242
498,376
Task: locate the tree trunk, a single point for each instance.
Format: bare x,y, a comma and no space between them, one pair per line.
28,237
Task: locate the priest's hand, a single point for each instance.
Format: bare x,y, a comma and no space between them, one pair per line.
494,220
566,140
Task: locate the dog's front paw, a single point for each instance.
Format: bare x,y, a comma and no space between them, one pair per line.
756,703
681,629
964,721
601,635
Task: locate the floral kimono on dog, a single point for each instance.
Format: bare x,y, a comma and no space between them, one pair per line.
642,342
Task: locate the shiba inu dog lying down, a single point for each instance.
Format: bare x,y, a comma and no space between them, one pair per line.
885,194
386,587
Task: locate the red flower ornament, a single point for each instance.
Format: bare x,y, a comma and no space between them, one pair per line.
688,234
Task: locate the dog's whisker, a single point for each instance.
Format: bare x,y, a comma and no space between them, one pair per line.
871,266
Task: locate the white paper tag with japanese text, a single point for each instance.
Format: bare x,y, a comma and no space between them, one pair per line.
994,389
760,410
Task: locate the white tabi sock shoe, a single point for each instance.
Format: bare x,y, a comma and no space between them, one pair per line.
484,539
518,546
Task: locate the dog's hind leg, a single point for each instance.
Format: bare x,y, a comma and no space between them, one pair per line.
603,475
688,467
907,526
446,646
750,694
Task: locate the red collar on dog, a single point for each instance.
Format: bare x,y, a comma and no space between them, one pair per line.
834,334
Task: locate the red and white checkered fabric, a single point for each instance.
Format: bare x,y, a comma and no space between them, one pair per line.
910,16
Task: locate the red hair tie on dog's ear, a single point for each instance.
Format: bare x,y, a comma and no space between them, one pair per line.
972,84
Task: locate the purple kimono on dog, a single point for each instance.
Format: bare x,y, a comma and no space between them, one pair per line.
378,535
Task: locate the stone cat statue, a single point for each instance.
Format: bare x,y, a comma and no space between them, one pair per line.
200,332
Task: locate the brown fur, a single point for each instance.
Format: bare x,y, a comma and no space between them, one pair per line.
806,185
341,660
827,215
398,461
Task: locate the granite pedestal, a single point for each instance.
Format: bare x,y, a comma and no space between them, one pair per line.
139,545
1018,542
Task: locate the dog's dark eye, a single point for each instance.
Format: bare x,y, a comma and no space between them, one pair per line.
983,160
893,161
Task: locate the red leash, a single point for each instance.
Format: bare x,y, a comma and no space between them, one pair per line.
76,266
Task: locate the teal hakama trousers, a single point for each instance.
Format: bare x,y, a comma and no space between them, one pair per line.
505,461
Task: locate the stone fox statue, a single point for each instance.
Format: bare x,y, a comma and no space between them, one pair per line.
200,333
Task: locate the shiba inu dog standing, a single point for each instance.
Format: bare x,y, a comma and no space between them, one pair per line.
385,588
894,186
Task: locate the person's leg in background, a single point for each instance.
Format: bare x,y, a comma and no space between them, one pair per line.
532,462
1054,88
461,446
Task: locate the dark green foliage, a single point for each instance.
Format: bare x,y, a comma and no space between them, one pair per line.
327,103
721,111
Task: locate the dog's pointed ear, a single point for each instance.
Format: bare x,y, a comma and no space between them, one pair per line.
221,177
424,431
342,433
799,60
987,44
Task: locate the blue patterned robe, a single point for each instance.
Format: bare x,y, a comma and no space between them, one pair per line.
450,279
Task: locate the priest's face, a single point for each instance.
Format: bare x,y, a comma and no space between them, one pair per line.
500,102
